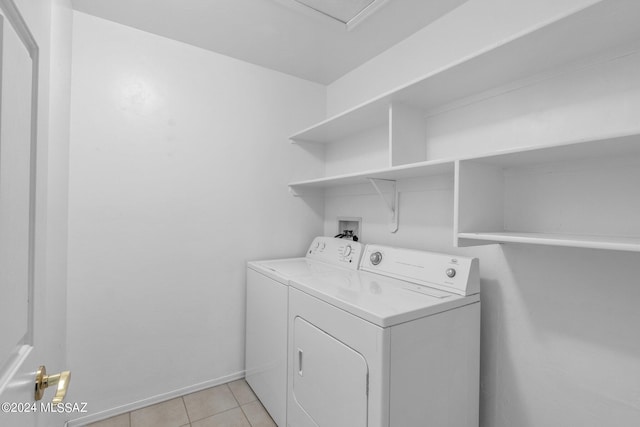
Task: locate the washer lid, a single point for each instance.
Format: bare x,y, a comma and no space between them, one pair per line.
283,269
324,254
381,300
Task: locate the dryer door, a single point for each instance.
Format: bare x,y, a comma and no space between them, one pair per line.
329,378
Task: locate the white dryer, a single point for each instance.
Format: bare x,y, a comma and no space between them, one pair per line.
267,320
395,344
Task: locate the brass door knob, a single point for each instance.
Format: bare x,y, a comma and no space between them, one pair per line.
59,381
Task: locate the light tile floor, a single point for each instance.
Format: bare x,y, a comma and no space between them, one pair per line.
227,405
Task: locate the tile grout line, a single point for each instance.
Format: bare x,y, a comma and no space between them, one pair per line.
228,410
233,394
239,405
212,415
185,409
245,415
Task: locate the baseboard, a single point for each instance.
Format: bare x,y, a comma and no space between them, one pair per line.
103,415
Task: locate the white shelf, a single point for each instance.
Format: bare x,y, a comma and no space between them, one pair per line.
537,51
577,193
343,125
625,145
570,240
413,170
580,194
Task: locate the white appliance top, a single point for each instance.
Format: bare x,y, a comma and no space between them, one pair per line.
396,289
324,255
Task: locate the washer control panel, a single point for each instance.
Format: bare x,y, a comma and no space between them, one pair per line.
342,252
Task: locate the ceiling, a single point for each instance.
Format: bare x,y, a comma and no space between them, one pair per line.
278,34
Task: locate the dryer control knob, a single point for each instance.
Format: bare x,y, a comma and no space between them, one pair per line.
375,258
451,272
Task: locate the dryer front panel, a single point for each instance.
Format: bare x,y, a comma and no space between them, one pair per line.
330,379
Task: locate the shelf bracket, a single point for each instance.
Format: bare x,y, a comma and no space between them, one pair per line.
393,205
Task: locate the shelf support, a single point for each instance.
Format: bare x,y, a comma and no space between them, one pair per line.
393,205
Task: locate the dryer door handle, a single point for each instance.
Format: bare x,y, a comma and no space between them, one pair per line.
300,354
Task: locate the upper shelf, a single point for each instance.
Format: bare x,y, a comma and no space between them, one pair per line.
361,118
599,148
569,39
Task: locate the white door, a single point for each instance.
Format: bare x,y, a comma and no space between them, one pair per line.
21,325
329,379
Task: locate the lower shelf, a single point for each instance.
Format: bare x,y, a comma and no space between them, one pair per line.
571,240
413,170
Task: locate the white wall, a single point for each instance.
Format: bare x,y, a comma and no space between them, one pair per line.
559,342
178,175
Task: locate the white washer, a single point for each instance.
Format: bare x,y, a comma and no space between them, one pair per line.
267,308
395,344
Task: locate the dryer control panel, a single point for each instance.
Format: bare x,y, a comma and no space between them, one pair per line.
451,273
346,253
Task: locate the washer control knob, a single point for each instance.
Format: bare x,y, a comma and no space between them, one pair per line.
375,258
322,246
451,272
347,250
